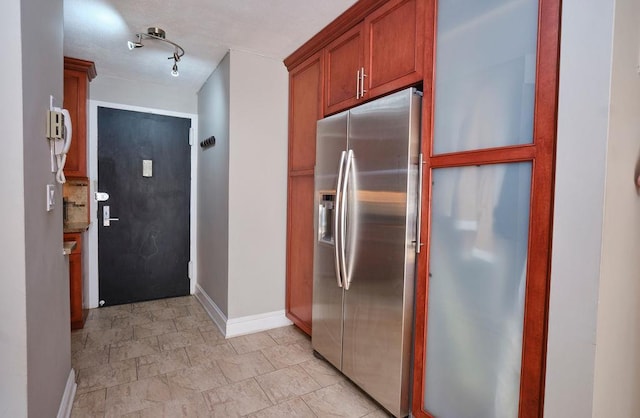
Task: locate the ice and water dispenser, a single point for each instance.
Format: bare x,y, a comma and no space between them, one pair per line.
326,215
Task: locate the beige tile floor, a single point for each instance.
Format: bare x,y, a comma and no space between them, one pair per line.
166,358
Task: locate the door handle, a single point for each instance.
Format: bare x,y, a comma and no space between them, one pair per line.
106,216
419,219
336,221
346,277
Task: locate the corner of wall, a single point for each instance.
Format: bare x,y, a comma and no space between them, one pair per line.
13,321
46,281
213,187
578,206
617,369
257,209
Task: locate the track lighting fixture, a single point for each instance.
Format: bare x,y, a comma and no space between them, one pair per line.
159,35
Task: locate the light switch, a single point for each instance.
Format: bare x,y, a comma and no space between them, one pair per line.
51,197
147,168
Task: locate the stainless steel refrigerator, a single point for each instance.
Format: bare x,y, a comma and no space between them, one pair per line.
366,216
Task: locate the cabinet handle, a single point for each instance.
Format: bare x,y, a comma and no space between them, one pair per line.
358,85
362,76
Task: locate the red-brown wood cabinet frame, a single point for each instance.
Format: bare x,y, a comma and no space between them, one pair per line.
77,76
302,156
541,153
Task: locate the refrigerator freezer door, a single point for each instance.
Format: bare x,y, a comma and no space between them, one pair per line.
331,142
381,205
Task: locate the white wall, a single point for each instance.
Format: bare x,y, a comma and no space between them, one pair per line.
585,65
48,329
34,334
242,192
136,93
617,361
213,187
257,184
13,320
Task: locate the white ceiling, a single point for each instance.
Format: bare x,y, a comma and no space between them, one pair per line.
98,30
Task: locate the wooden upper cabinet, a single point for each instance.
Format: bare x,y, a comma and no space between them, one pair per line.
379,55
77,75
394,39
344,58
305,108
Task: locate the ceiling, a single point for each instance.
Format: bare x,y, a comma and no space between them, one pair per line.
98,30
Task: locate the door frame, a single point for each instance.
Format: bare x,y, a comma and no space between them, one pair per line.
91,288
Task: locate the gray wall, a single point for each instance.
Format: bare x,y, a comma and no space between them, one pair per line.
143,94
34,335
257,184
617,362
242,185
47,286
592,357
213,187
13,320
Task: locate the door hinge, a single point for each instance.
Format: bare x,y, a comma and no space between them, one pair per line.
190,270
191,136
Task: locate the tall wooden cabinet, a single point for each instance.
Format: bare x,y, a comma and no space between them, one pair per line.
372,49
305,108
77,76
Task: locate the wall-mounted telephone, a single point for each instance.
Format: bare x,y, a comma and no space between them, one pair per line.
59,132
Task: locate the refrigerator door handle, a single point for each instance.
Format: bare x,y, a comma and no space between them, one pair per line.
336,220
419,218
343,221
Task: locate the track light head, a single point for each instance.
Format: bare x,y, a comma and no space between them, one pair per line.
174,70
134,45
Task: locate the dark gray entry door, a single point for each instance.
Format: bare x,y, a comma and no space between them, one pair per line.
144,166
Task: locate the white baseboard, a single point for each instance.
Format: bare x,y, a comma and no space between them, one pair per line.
235,327
67,397
256,323
217,316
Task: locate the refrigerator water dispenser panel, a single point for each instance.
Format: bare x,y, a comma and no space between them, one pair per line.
325,218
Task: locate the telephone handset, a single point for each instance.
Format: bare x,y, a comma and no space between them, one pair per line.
59,131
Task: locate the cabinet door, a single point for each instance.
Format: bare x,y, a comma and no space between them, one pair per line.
75,100
343,59
394,39
300,251
75,290
305,108
489,130
75,281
